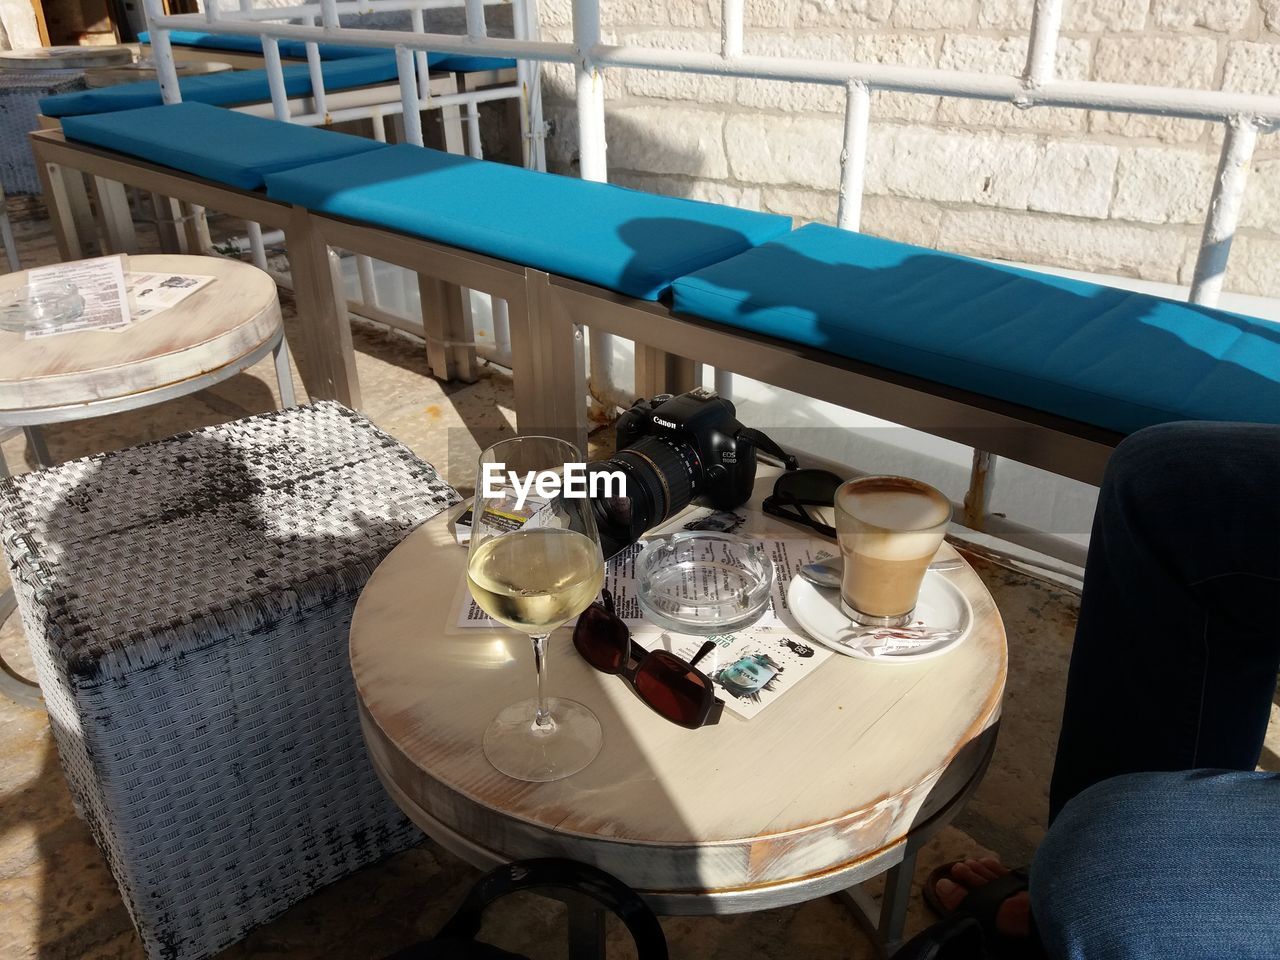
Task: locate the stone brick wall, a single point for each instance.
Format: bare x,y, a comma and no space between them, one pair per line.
1104,192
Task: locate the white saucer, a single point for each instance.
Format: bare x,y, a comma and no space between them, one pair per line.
941,607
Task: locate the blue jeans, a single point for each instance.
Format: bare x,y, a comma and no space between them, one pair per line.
1156,848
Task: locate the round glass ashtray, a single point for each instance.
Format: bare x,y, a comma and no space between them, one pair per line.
40,307
703,583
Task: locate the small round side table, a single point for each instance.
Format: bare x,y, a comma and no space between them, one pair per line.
219,331
841,780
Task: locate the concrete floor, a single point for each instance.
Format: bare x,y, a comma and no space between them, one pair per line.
58,901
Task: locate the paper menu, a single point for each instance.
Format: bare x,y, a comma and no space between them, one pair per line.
151,293
114,299
100,281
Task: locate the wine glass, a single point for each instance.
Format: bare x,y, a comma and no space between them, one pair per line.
534,578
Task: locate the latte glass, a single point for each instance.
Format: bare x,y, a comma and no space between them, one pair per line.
889,529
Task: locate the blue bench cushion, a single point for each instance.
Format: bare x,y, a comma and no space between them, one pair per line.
217,144
462,63
297,49
1106,357
221,89
628,241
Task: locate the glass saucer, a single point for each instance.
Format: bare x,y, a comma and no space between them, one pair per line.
40,307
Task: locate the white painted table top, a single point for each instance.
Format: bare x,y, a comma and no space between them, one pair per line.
213,327
839,769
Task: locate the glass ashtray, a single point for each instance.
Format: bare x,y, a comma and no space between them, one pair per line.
703,583
39,307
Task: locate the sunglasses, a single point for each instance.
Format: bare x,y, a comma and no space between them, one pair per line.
798,489
671,687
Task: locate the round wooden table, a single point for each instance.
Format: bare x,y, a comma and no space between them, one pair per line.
220,330
839,781
109,76
64,58
215,333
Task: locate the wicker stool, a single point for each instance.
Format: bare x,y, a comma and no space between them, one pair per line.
187,605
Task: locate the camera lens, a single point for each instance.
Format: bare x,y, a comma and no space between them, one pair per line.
663,475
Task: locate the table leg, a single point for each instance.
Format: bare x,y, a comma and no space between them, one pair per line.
12,684
893,908
586,928
284,376
6,237
885,925
35,437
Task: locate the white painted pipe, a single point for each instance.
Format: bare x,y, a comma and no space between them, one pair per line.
1046,22
257,245
420,57
476,28
731,19
316,74
1215,105
275,78
501,328
384,39
589,85
298,11
474,147
329,14
409,96
529,77
724,383
1224,211
394,108
853,158
211,11
590,92
368,285
378,124
162,51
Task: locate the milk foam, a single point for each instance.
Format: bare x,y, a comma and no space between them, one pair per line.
899,520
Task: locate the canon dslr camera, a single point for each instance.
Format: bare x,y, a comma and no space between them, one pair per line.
671,450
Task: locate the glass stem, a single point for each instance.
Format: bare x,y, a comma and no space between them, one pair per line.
543,717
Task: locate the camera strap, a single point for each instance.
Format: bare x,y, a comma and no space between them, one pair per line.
764,442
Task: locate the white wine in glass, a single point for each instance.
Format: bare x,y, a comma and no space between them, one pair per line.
535,579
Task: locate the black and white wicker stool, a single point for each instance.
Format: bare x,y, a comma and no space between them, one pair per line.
187,605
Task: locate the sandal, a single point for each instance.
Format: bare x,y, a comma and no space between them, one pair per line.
982,904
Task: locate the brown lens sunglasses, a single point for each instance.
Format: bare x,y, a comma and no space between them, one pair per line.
673,688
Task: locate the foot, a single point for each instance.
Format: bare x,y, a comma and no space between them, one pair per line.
1013,919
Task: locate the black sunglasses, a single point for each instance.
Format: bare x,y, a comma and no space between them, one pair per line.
797,489
672,687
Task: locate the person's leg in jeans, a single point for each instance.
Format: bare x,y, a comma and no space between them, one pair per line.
1178,643
1174,668
1174,665
1155,866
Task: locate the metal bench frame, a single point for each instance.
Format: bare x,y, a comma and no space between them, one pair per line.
671,347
